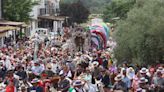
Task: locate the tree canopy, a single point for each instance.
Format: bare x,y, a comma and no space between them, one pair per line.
94,6
76,11
18,10
140,37
117,8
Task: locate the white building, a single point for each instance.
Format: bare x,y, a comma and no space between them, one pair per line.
45,15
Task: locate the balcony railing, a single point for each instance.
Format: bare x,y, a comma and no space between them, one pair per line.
46,11
49,9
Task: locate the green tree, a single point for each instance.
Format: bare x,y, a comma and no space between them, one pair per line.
94,6
140,37
18,10
118,8
76,11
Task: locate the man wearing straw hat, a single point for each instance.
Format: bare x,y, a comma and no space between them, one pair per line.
119,84
78,85
35,87
143,84
158,80
64,83
143,73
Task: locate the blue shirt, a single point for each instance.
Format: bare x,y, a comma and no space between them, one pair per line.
37,89
37,69
127,81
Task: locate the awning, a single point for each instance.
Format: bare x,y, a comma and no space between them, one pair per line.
12,23
25,25
55,18
7,28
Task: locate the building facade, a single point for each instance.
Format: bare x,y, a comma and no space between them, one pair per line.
46,15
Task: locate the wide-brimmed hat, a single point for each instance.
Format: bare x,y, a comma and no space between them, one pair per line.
139,90
160,69
61,73
144,70
95,63
36,80
119,77
64,85
143,80
49,66
78,83
52,49
16,76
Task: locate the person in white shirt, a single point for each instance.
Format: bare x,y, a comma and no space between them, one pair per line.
55,67
37,69
8,63
66,72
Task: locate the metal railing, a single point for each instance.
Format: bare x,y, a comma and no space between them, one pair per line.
44,11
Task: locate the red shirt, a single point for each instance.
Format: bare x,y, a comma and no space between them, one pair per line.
44,84
10,89
100,61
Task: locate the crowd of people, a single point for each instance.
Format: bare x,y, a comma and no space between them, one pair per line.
53,69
